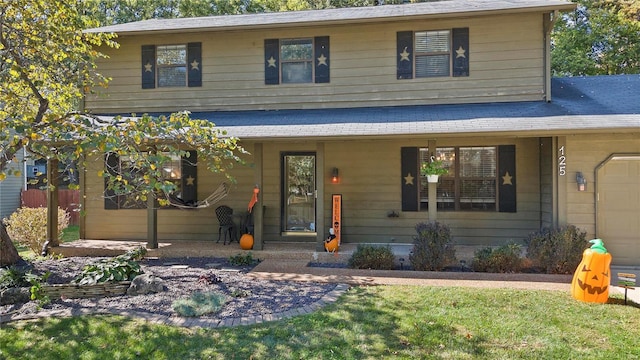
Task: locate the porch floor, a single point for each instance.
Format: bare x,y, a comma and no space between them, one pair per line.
283,250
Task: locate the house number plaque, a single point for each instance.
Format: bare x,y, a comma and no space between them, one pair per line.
562,162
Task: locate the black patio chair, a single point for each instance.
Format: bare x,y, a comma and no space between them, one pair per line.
227,226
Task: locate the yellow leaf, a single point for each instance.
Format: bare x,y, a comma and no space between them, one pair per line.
3,176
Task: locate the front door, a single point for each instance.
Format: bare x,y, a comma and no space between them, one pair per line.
299,193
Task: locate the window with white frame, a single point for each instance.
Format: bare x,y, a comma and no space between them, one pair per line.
171,61
296,60
432,53
471,183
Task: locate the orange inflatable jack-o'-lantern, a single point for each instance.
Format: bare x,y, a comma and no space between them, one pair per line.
592,277
246,242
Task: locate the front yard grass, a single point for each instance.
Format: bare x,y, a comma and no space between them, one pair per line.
390,322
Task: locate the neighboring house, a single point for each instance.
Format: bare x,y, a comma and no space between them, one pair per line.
11,186
366,95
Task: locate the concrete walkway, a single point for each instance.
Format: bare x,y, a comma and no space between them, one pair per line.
297,270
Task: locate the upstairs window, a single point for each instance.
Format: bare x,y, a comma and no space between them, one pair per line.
171,61
432,53
296,61
172,65
437,53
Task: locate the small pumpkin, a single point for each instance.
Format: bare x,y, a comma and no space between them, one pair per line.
246,242
592,277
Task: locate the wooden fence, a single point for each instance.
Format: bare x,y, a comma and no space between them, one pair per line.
67,199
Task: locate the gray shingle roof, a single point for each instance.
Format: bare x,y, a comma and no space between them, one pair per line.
579,104
405,12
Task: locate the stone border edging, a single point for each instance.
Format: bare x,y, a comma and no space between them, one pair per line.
326,299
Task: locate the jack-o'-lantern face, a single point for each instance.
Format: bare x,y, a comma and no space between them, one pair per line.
591,279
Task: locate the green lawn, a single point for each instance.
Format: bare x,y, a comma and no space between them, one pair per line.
380,322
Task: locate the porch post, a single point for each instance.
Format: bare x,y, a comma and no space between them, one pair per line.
258,213
320,178
559,181
152,222
52,202
432,188
433,201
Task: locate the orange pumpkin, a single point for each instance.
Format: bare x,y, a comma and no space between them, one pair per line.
592,277
246,242
331,245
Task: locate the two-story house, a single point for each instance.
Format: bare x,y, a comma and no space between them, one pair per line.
340,108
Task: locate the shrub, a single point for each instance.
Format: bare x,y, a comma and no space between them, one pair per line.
198,304
28,226
372,257
120,268
432,248
243,260
504,259
13,277
557,251
16,277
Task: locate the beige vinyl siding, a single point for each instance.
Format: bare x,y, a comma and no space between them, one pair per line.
584,154
546,183
506,64
173,224
370,184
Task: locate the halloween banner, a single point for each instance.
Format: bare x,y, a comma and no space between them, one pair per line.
336,216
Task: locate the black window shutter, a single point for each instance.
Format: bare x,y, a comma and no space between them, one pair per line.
460,52
405,55
507,178
112,164
194,64
321,52
409,178
148,66
190,177
271,61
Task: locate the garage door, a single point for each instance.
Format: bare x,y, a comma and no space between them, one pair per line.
618,210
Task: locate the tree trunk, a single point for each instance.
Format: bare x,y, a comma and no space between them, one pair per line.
8,253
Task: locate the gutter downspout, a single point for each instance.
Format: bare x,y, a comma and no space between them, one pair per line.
549,22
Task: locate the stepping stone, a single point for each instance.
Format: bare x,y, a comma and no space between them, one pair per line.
179,266
230,270
213,265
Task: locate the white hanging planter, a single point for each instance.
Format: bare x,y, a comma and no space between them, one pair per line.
432,178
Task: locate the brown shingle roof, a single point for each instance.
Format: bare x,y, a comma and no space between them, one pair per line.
440,9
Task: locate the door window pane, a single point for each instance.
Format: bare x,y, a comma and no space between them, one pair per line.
299,193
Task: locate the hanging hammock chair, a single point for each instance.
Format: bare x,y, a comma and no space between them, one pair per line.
220,193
